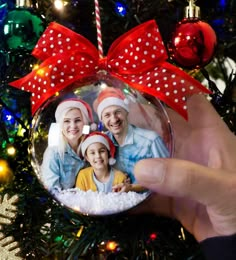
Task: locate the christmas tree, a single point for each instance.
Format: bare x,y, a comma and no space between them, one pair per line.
44,228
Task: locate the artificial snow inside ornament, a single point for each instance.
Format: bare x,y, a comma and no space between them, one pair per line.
193,43
76,90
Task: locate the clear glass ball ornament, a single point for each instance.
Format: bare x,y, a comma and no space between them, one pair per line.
146,113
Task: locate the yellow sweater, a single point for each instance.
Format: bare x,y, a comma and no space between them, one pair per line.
85,181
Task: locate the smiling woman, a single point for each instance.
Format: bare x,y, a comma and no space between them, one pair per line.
62,162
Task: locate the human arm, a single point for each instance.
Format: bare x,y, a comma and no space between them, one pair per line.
198,186
50,169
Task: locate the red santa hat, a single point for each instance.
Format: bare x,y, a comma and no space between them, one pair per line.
75,103
110,97
98,137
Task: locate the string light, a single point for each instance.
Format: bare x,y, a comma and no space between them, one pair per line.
111,245
120,9
59,5
11,150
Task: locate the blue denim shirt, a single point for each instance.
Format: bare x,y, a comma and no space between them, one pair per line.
139,144
58,173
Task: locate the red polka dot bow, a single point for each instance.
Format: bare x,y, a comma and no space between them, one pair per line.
138,58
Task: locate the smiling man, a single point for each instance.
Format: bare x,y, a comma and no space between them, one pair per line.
132,143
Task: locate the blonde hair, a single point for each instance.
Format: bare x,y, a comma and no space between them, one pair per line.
62,139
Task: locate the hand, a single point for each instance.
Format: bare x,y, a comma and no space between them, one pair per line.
198,186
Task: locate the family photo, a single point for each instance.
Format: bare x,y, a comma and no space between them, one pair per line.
97,146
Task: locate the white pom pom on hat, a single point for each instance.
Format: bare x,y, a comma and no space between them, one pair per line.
111,97
74,103
98,137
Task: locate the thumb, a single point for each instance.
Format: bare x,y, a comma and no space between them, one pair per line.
183,179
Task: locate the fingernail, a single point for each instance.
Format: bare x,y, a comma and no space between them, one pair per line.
150,171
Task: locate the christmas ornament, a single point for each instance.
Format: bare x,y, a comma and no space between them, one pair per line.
6,174
135,67
7,208
8,247
145,112
193,43
22,28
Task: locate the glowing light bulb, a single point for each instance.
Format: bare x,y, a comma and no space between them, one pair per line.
59,4
111,245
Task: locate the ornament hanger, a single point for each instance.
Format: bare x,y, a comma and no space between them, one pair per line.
192,11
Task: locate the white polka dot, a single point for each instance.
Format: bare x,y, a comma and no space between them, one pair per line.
183,89
157,81
59,35
167,93
147,43
165,78
67,39
139,39
166,85
184,107
149,85
127,61
51,38
143,61
117,63
158,89
137,49
176,100
44,49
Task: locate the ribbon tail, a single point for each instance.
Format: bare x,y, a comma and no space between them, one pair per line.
167,83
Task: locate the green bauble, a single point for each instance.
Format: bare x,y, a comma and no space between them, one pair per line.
22,29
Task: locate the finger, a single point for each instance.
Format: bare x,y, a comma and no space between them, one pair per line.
183,179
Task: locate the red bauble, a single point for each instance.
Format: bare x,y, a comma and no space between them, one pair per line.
193,43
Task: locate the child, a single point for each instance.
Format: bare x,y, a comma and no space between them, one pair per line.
100,176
